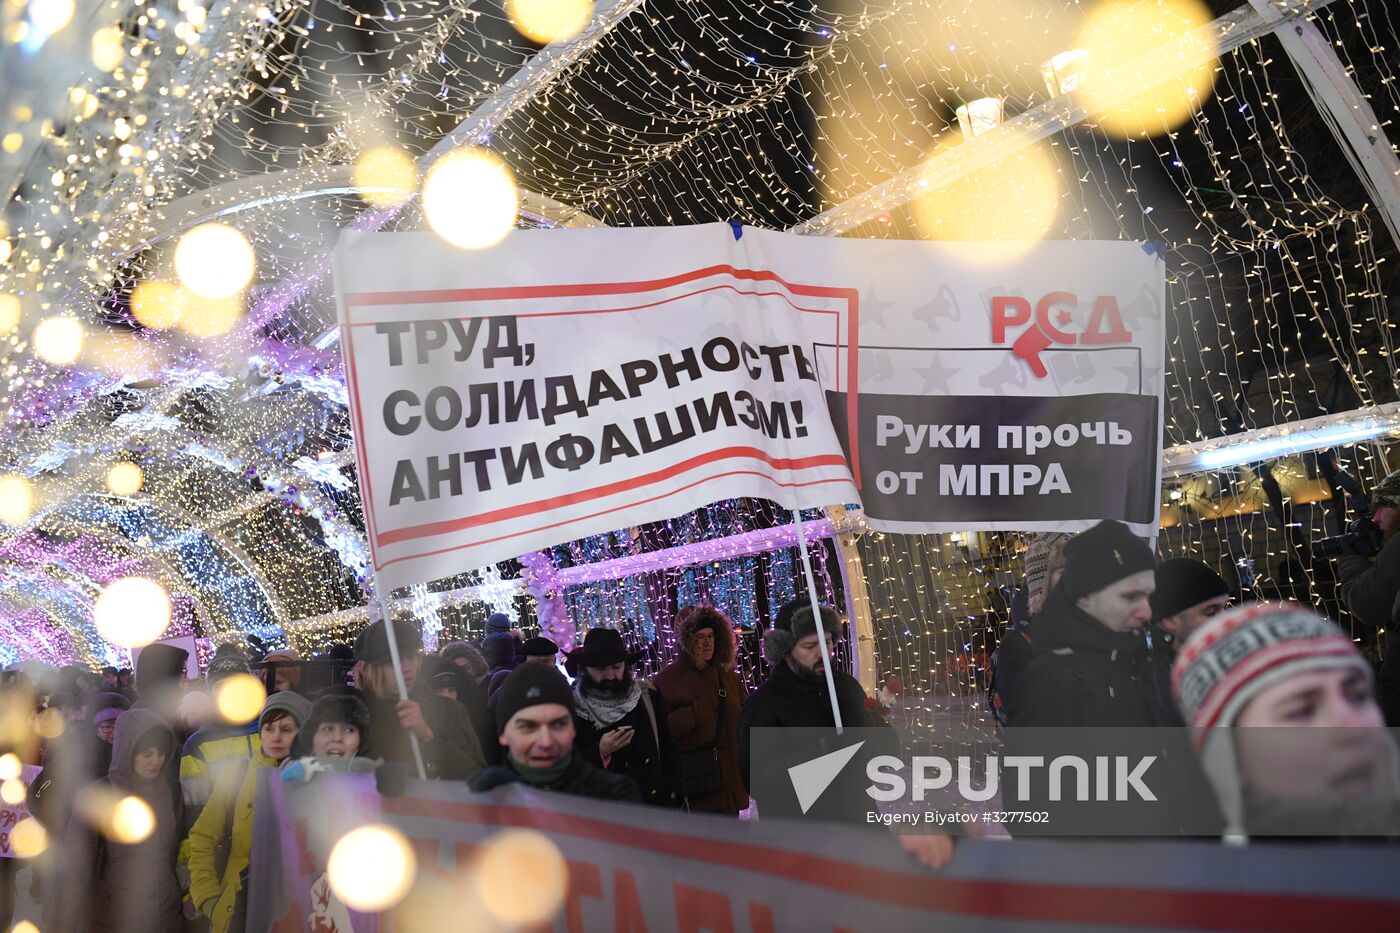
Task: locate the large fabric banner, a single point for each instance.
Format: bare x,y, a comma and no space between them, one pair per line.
572,382
635,868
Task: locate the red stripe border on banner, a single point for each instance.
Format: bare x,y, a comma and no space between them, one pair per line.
443,296
1117,907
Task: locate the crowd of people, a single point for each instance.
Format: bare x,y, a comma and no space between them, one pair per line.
1105,636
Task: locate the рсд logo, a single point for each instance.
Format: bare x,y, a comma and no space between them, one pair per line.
1053,315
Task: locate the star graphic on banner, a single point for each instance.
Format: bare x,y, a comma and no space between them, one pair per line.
872,309
943,306
1148,377
937,376
882,372
1009,372
1073,368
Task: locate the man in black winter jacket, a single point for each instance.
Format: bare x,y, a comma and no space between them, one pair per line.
795,695
535,718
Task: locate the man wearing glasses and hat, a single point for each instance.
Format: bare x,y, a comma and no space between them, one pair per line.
621,720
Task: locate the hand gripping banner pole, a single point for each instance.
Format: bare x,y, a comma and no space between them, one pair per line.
398,675
817,618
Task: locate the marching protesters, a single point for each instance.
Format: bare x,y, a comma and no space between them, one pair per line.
335,737
1090,666
540,650
499,652
1371,591
449,744
1188,594
621,719
471,692
535,719
795,695
117,886
704,697
220,841
196,708
1285,721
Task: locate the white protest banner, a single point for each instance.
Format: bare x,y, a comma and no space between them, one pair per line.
1000,388
561,385
572,382
636,868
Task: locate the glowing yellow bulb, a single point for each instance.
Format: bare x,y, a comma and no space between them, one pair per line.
132,612
546,21
6,248
133,821
51,15
16,500
58,340
239,698
10,310
522,877
124,479
371,868
1011,203
108,48
51,724
24,926
210,317
1158,45
385,175
12,142
470,199
10,767
214,260
28,839
13,791
159,305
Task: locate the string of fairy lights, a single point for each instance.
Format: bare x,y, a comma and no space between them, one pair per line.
231,408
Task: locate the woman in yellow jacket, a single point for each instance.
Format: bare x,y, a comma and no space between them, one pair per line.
224,831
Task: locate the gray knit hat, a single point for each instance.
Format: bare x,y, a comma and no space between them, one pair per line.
294,704
788,630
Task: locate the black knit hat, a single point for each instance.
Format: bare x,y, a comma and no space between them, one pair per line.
1182,583
531,685
372,645
602,647
1102,556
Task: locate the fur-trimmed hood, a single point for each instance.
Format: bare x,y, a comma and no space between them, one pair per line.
693,618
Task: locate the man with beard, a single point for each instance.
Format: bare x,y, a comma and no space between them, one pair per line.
621,721
795,696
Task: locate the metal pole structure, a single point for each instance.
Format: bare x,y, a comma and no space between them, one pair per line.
817,618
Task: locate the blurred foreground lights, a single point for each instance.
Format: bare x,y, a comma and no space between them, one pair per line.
10,310
51,724
470,199
385,176
165,306
58,340
132,612
1012,203
522,877
24,926
546,21
239,698
1064,72
16,502
978,116
108,49
50,16
133,821
28,839
211,317
13,791
214,260
10,767
1158,46
371,868
124,479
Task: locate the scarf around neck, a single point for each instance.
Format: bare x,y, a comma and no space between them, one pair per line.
604,711
541,777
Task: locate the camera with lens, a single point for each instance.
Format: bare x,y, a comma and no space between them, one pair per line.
1363,538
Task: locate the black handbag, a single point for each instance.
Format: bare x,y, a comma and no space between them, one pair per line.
700,772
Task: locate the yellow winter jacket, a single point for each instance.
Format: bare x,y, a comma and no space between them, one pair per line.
212,827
